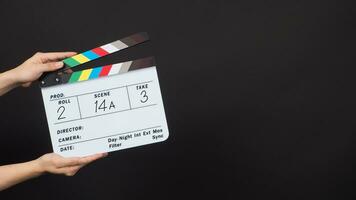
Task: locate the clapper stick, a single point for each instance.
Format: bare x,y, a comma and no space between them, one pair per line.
107,70
61,76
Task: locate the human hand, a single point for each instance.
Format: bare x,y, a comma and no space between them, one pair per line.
56,164
35,66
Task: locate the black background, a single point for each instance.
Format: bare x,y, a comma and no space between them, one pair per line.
259,98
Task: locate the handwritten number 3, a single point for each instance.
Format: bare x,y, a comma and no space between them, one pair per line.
145,97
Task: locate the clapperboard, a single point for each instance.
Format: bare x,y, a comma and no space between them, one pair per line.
105,108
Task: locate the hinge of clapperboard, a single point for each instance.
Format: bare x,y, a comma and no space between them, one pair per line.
66,74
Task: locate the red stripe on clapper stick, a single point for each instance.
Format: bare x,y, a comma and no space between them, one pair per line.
105,70
99,51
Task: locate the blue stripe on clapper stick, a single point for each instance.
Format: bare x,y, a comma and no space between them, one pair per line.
91,55
95,73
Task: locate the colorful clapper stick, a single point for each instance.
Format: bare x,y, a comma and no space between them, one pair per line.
104,50
68,76
109,70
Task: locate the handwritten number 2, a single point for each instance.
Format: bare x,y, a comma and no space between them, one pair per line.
61,110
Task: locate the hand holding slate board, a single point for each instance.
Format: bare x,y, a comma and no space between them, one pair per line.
106,108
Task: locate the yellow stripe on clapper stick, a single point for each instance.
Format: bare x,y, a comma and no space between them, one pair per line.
80,58
85,75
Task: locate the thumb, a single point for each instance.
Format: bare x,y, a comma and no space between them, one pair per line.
51,66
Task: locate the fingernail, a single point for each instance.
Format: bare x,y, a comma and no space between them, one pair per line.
59,64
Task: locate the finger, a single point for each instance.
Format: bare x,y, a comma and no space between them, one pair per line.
74,170
69,171
68,71
52,66
69,162
55,56
89,159
77,161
